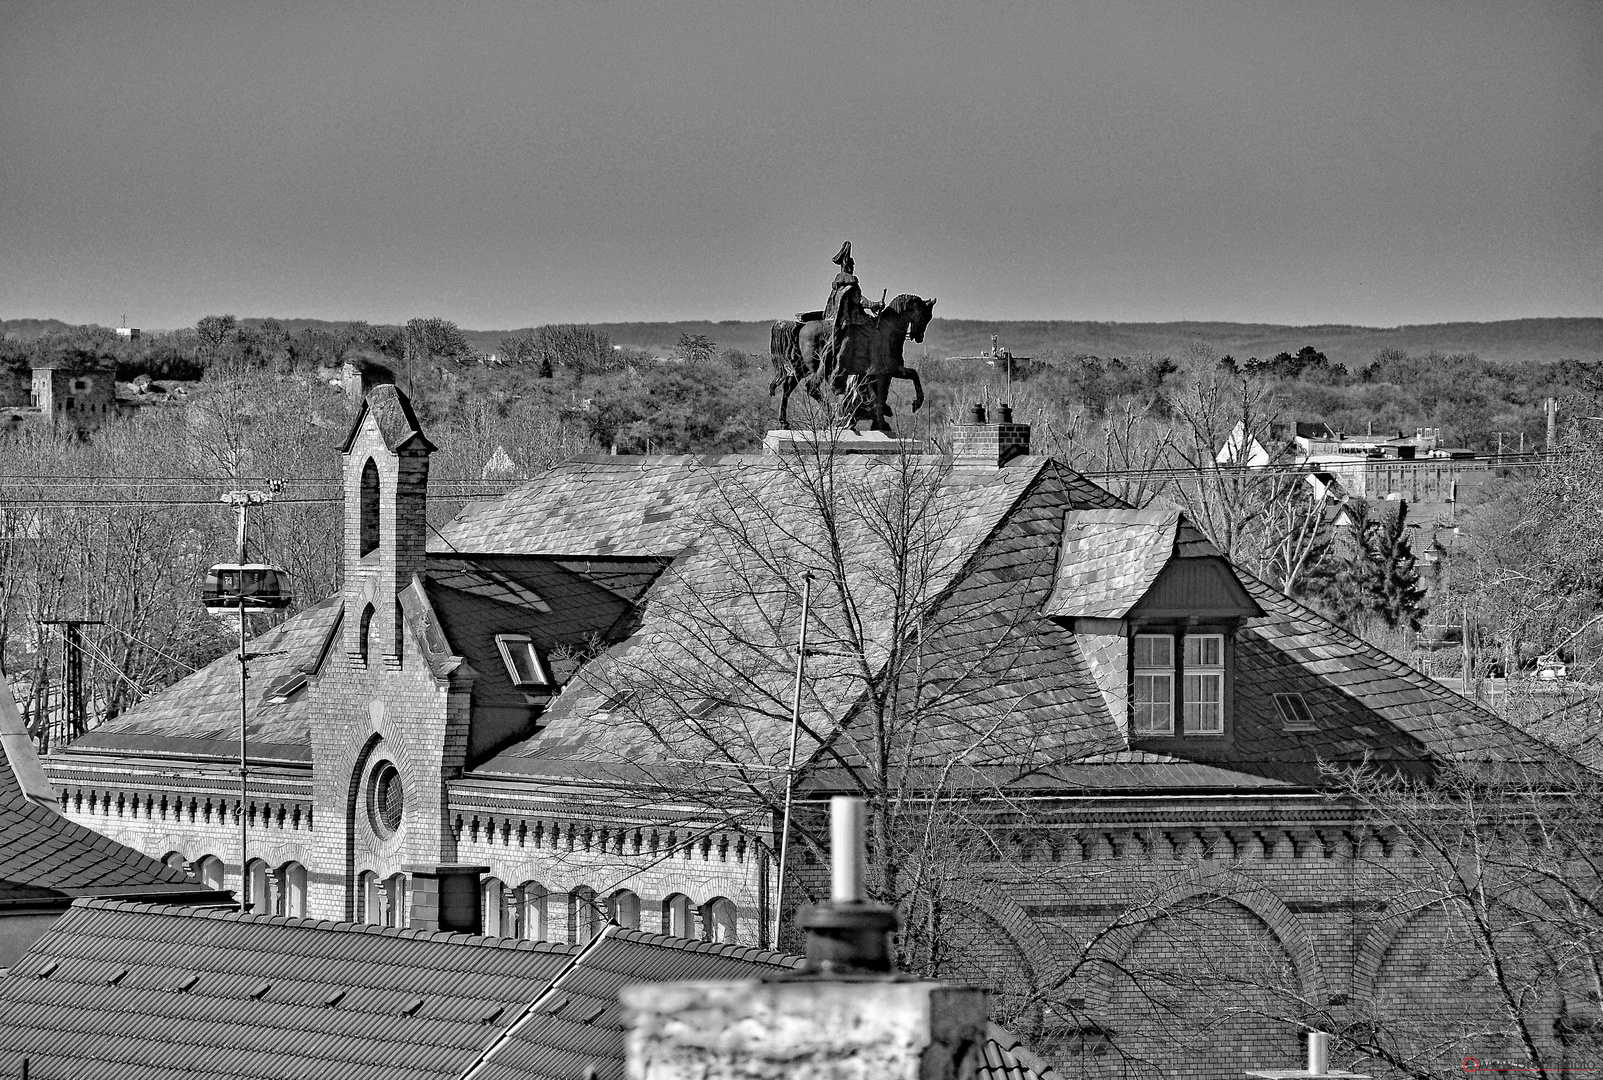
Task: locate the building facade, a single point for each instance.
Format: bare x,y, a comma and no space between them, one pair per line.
441,710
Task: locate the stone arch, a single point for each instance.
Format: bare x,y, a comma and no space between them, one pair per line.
353,803
1209,883
1026,935
1377,942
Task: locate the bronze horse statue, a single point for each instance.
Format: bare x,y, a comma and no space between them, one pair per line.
801,358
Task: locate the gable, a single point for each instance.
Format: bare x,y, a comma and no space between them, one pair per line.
1202,588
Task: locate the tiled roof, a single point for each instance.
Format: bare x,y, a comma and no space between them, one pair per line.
204,707
120,991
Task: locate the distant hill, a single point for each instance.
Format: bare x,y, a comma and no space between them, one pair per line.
28,329
1511,340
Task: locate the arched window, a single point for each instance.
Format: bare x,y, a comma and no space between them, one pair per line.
261,890
677,916
209,868
395,900
718,921
176,860
292,890
364,633
531,911
494,901
369,901
623,907
369,508
584,915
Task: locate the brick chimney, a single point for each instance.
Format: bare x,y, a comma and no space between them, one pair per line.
446,897
979,444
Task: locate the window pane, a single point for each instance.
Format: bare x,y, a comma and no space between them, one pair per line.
1204,703
1154,651
1204,650
1153,703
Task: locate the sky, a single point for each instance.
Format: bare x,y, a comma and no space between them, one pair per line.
508,163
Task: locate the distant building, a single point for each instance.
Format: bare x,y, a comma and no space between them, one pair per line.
129,332
74,399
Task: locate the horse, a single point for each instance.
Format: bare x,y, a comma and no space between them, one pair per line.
800,357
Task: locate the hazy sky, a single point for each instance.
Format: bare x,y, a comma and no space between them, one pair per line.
513,163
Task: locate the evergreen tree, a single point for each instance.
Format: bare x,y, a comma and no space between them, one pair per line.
1373,572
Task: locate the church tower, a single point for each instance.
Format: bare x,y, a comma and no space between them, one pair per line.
386,469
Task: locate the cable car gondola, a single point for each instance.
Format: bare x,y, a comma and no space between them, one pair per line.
233,587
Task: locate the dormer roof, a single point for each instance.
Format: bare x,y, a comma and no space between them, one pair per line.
1113,564
391,409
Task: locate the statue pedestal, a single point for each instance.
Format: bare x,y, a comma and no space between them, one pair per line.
845,441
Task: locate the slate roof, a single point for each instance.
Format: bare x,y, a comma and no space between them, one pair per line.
204,707
45,859
1109,559
583,551
119,991
397,423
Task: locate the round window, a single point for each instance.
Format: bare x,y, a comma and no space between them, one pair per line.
384,798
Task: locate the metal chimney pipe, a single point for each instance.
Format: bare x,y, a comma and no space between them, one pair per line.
846,856
1318,1053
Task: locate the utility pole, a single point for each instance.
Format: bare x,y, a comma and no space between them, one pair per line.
1500,435
242,501
75,718
1552,424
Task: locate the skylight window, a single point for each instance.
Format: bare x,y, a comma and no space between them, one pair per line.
524,666
615,702
282,689
1294,712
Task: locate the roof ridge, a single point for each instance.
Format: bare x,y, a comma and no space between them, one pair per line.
306,923
718,948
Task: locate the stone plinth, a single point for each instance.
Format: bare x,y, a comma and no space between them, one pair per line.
805,1029
845,441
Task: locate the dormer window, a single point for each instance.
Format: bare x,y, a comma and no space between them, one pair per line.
524,666
1152,696
1204,692
1199,677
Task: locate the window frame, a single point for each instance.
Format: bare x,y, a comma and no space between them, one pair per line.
1152,671
1181,727
506,643
1199,671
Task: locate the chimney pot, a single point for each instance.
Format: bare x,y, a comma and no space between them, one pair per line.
1006,412
976,415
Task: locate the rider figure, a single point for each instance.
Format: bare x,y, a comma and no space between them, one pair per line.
847,315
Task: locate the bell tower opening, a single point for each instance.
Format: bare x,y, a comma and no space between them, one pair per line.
369,526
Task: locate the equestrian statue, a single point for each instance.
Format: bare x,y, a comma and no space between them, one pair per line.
853,346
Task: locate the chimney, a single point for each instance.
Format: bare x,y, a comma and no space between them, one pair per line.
978,444
446,898
848,1017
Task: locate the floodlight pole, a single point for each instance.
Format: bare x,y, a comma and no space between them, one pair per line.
790,771
241,501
